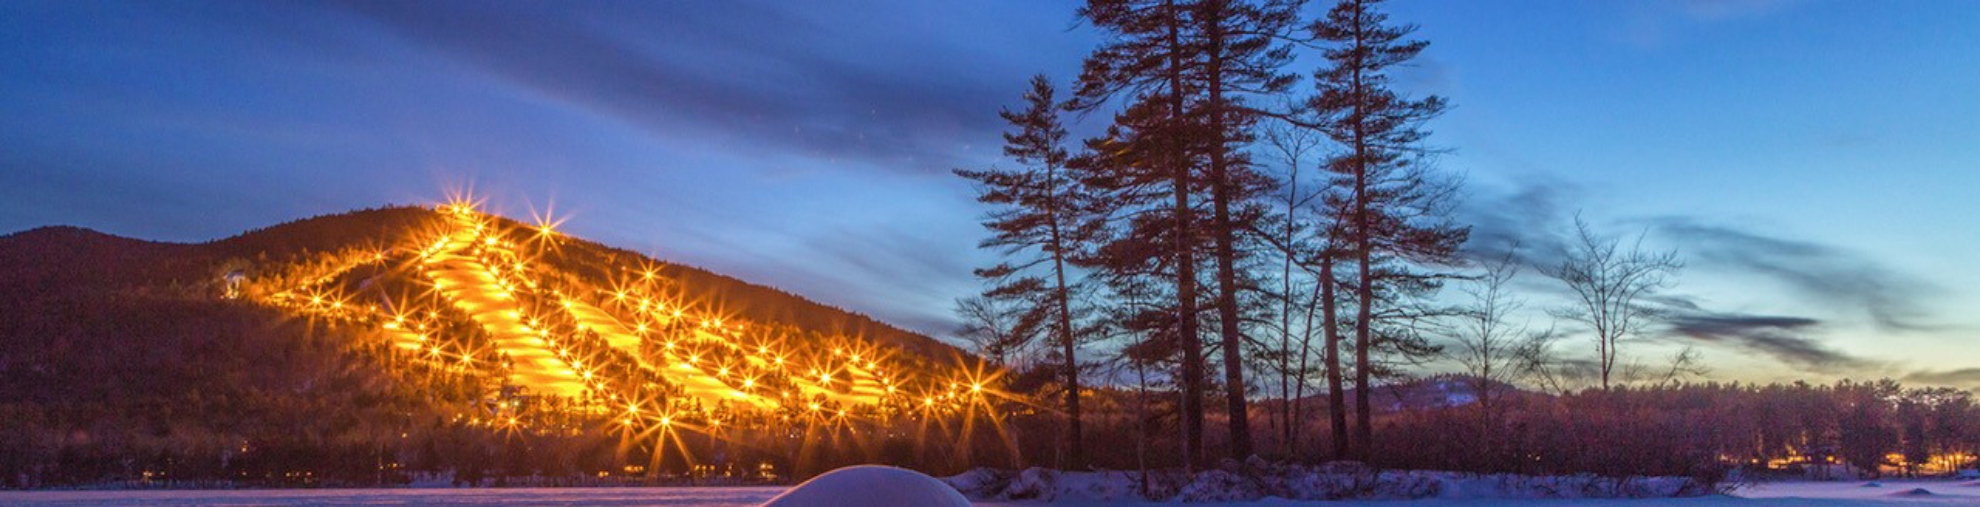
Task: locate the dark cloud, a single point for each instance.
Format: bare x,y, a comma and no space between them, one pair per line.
1570,372
1965,377
713,71
1781,337
1538,217
1816,272
1534,218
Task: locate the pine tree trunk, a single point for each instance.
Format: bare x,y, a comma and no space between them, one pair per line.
1365,284
1364,291
1234,386
1336,394
1225,232
1299,388
1191,344
1075,454
1288,408
1141,425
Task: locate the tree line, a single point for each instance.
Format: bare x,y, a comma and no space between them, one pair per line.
1846,430
1263,222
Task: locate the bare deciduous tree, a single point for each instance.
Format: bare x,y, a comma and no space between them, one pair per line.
1291,144
1494,345
994,330
1610,285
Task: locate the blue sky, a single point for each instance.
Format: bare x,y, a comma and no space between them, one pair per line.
1814,161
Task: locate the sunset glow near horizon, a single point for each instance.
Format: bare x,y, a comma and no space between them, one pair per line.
1813,162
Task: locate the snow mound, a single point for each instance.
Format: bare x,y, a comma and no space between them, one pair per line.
1872,484
870,486
1913,492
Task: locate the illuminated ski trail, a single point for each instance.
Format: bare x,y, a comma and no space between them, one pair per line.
692,379
466,282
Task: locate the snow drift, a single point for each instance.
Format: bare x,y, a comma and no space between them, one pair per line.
870,486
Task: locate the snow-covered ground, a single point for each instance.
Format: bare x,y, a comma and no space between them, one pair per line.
1795,494
1891,492
714,497
1786,494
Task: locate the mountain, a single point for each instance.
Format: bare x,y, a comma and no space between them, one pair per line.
304,344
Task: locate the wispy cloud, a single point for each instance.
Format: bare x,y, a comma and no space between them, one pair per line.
1538,216
703,70
1650,24
1783,338
1812,271
1529,221
905,280
1715,10
1965,377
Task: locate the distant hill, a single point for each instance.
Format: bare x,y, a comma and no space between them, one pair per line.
47,261
121,355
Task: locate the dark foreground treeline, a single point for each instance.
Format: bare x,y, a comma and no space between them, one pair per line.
169,387
1701,430
159,389
1872,427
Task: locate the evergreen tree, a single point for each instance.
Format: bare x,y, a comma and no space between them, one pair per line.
1147,163
1241,56
1396,212
1039,225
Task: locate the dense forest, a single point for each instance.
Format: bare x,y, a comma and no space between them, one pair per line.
1706,430
1258,257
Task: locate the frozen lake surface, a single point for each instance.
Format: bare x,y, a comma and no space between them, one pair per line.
1795,494
717,497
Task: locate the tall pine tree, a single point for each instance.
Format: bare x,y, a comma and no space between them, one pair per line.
1038,226
1396,212
1241,55
1147,58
